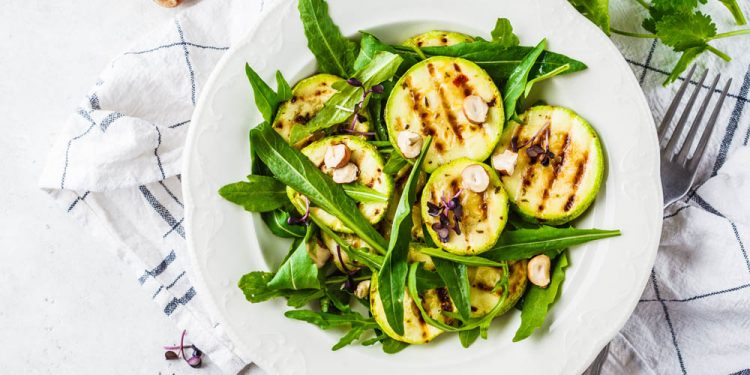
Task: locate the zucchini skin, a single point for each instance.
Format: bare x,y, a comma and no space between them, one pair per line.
436,38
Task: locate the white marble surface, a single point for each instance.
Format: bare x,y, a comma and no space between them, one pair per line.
67,304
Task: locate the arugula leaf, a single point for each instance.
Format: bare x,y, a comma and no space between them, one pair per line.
299,298
277,223
364,194
329,320
298,271
516,83
686,58
258,194
265,99
392,275
736,11
468,337
427,280
370,45
456,277
683,31
295,170
597,11
469,260
334,53
526,243
391,346
497,60
353,334
376,116
283,91
557,71
538,300
254,286
372,261
503,34
395,163
340,106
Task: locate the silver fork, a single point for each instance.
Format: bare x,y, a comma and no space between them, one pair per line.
678,164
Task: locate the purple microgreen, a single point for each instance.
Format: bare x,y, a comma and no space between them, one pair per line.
303,219
341,260
534,151
357,132
194,361
378,89
354,82
361,118
433,209
442,232
170,355
514,143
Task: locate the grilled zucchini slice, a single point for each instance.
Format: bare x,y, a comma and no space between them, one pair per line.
483,280
484,214
560,192
436,38
416,330
371,174
339,256
428,100
308,97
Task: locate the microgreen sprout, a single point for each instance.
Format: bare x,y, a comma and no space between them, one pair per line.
441,211
534,148
358,117
303,219
195,358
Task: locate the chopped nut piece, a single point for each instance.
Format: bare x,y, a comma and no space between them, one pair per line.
475,178
363,289
538,270
346,174
168,3
337,156
475,109
505,163
319,254
409,143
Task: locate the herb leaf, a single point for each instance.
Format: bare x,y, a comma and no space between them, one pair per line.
334,53
340,106
538,300
395,163
265,99
277,223
469,260
468,337
392,275
391,346
736,11
329,320
299,270
516,83
503,34
295,170
258,194
283,91
683,31
686,58
254,286
364,194
526,243
597,11
456,277
557,71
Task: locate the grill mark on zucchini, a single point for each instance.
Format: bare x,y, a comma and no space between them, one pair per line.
445,299
580,169
445,104
555,171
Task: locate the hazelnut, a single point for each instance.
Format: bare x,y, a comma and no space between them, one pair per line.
346,174
318,254
538,270
475,109
363,289
409,143
337,156
168,3
505,163
475,178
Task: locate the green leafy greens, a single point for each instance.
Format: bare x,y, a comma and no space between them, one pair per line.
516,83
392,275
538,300
334,53
299,270
257,194
526,243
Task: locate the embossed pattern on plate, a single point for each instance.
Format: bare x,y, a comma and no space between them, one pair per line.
604,281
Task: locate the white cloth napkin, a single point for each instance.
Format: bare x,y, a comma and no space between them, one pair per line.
116,168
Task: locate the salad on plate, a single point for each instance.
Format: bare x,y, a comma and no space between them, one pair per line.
422,193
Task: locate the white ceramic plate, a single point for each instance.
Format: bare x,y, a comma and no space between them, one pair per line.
605,278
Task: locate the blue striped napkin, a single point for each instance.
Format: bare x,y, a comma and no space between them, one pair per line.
116,168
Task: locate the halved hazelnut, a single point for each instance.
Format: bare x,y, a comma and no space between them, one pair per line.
475,178
337,156
363,289
505,163
346,174
538,270
475,109
409,143
319,254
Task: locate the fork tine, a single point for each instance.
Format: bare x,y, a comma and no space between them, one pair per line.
673,106
696,158
690,139
680,127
